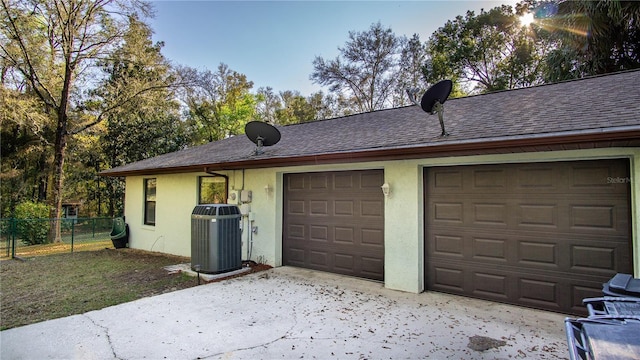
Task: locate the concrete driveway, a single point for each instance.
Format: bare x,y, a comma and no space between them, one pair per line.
289,313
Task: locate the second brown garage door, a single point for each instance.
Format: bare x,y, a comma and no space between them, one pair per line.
334,222
544,235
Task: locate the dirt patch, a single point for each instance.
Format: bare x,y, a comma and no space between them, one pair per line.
484,343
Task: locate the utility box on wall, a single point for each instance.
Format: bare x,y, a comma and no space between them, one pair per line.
216,243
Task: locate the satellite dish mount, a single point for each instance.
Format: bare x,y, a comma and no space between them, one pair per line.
433,100
261,134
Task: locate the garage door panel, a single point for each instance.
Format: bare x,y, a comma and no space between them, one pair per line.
345,262
489,285
318,207
605,216
549,238
447,245
296,231
597,175
373,267
295,255
492,214
344,181
372,208
489,180
538,254
343,228
449,181
318,181
490,249
344,235
602,258
372,181
319,259
344,207
537,215
530,250
447,278
297,183
295,207
319,233
448,212
538,291
537,178
509,284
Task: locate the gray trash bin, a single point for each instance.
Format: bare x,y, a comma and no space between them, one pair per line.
216,242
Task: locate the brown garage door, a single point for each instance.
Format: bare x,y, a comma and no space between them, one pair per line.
544,235
334,221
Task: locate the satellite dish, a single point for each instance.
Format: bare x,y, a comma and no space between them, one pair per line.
261,134
434,98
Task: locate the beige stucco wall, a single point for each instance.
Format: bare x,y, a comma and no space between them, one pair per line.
404,221
176,195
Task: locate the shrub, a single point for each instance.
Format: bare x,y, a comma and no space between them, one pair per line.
31,229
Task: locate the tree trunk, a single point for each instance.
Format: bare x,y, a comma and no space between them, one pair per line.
59,152
58,177
43,178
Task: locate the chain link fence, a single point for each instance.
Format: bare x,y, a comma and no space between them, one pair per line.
30,237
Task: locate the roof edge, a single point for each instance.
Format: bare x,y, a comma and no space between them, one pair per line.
474,147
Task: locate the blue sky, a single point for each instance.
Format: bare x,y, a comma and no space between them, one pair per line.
274,42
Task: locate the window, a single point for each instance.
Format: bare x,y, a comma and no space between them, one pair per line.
212,190
149,201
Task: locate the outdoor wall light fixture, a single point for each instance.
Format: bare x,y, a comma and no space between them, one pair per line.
268,189
386,189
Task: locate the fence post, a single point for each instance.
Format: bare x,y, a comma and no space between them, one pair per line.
8,230
73,230
14,230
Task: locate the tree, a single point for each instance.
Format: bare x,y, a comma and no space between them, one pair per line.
25,131
55,45
593,37
486,52
326,106
364,71
296,109
413,54
219,104
268,104
146,125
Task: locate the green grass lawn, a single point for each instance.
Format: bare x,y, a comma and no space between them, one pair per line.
41,288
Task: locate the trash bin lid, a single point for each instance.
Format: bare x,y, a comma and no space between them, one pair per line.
623,284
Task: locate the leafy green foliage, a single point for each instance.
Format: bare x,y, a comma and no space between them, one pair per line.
296,109
51,49
485,52
31,230
219,104
593,37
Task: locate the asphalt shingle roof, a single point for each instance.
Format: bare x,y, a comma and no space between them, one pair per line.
595,105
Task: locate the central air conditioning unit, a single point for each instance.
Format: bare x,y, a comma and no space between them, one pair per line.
216,243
